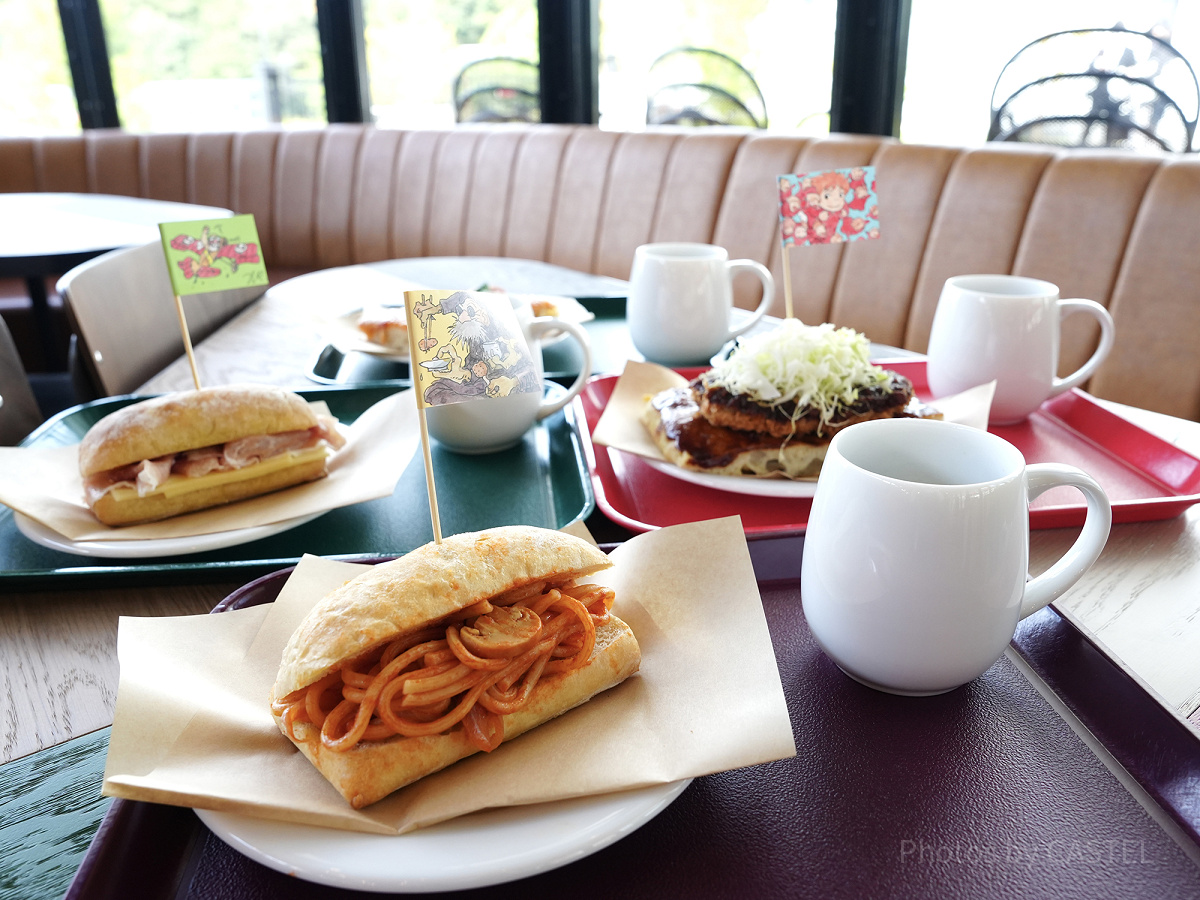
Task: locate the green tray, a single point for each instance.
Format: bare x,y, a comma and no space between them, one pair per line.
543,481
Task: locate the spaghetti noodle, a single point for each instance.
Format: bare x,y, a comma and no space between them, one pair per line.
476,666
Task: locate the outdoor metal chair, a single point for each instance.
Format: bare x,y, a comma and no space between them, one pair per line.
1093,111
696,86
498,89
1105,86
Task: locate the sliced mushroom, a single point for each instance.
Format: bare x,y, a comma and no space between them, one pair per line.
504,632
475,609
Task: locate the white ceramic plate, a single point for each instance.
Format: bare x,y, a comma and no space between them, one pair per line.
501,845
344,334
754,487
569,310
40,534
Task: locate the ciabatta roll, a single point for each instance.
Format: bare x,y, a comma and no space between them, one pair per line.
190,450
460,645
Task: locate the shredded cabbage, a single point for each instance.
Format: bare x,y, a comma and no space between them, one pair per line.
814,366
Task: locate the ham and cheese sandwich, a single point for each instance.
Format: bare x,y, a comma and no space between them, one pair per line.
190,450
447,651
770,408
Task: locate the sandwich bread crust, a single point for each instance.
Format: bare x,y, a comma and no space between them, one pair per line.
188,420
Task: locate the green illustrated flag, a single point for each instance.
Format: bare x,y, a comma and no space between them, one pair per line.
213,255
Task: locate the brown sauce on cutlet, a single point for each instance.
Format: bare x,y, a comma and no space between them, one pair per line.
710,446
740,411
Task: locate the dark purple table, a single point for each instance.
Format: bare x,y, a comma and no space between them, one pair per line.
983,792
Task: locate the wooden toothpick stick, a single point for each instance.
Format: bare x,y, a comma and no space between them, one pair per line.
187,340
417,308
433,506
787,283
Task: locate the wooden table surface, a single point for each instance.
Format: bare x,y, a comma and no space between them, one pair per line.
58,665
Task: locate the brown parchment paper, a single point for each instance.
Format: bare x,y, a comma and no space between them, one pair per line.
44,482
620,425
193,727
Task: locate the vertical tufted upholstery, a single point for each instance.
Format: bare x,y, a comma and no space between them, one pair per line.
1114,227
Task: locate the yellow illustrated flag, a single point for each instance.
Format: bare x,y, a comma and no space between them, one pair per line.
466,345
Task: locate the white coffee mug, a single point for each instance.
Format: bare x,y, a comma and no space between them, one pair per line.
915,567
1006,328
680,299
478,426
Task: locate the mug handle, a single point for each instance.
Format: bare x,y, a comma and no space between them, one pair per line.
1102,315
768,283
539,326
1051,584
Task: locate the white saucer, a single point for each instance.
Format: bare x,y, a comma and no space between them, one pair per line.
736,484
343,333
141,549
569,310
485,848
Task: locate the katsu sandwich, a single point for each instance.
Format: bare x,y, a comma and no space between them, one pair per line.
773,405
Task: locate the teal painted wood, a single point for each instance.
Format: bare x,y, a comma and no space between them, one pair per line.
50,808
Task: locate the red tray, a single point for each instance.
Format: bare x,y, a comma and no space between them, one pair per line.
1145,477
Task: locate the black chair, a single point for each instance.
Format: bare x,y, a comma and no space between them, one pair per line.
498,89
1097,87
1093,111
695,86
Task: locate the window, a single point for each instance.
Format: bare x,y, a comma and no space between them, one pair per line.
953,63
417,48
38,97
786,45
214,65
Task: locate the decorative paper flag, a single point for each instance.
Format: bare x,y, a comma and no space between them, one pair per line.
467,345
829,207
213,255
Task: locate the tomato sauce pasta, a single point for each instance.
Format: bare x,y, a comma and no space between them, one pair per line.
480,664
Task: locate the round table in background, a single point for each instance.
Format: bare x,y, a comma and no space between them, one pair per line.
44,234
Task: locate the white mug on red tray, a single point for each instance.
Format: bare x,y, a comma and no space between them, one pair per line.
501,422
1006,328
680,299
916,558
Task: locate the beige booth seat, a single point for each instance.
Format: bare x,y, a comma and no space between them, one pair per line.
1118,228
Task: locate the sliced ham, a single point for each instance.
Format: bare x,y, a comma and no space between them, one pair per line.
327,430
153,473
194,463
249,450
149,474
145,476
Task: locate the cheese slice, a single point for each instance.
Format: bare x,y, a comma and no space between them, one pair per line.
180,484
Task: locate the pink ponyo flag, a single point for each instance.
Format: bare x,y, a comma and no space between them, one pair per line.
829,207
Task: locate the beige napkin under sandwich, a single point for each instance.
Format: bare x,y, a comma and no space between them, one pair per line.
44,482
620,425
193,725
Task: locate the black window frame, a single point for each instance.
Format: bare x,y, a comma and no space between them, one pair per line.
870,46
